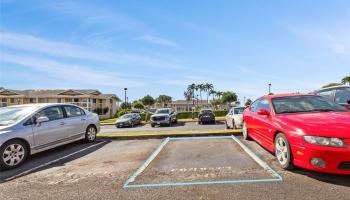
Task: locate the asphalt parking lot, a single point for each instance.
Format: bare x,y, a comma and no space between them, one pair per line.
99,171
180,126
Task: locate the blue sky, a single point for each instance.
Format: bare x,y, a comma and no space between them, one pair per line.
159,47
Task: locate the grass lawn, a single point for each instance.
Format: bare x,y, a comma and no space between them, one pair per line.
133,134
112,120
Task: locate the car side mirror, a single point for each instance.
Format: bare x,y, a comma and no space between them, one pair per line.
40,120
264,112
348,101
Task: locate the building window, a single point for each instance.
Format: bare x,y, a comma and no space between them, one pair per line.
4,100
76,100
94,101
31,100
59,100
12,100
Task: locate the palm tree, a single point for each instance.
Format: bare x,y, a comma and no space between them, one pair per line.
346,80
188,96
191,88
201,88
213,93
208,87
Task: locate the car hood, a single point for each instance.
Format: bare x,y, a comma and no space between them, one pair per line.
327,124
160,115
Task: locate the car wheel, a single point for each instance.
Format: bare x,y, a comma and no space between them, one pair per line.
245,132
13,154
170,122
234,124
175,121
90,134
153,125
283,152
227,126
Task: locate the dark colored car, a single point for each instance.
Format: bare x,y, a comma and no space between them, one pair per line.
128,120
338,94
206,116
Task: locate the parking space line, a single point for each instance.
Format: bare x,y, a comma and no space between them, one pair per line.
53,161
256,158
148,161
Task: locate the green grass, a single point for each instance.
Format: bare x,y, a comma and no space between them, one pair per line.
112,120
135,134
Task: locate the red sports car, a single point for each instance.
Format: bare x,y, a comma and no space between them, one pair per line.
307,131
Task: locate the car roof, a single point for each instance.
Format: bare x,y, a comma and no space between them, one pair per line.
287,95
41,105
333,88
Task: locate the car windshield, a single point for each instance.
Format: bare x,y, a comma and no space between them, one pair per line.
206,111
163,111
11,115
129,116
342,96
297,104
238,110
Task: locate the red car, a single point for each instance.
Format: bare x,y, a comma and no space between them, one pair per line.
307,131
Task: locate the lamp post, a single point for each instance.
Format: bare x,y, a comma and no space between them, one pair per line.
270,88
125,100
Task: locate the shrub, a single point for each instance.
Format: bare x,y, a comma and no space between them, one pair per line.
101,111
120,113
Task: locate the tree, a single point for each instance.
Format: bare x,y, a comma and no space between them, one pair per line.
148,100
248,102
213,93
188,97
138,105
208,88
125,106
164,100
219,94
228,97
331,85
191,88
346,80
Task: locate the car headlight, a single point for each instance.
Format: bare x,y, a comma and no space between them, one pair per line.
325,141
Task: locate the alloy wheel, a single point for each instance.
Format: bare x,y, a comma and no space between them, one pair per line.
281,151
91,134
13,154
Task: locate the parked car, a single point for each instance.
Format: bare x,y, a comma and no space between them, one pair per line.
128,120
234,118
206,116
164,116
28,129
338,94
307,131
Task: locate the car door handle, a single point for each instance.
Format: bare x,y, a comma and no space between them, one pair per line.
62,123
83,119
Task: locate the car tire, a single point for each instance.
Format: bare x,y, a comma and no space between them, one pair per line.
170,123
234,124
283,152
245,132
19,150
153,125
90,134
227,126
175,121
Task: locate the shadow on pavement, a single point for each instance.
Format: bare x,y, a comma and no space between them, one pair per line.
49,159
343,180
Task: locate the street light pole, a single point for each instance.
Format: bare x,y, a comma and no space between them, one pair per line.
270,88
125,100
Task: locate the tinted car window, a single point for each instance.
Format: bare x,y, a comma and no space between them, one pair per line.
263,104
342,96
73,111
327,94
254,105
53,113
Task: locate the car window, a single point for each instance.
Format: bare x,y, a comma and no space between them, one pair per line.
263,104
53,113
328,94
239,110
342,96
254,105
73,111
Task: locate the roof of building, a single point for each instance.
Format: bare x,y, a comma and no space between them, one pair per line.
55,92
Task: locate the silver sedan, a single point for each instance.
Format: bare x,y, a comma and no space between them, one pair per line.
32,128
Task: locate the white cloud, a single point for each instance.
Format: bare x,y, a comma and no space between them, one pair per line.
338,42
157,40
68,72
63,49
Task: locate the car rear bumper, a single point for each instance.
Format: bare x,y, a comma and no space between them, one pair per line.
207,119
160,121
337,160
